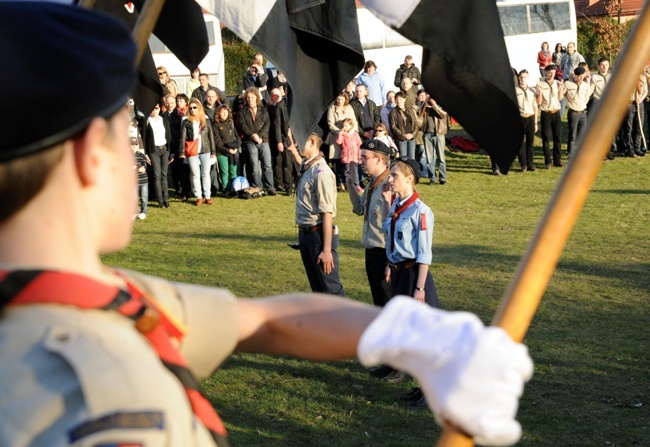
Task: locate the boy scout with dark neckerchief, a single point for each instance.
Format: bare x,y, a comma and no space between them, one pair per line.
315,211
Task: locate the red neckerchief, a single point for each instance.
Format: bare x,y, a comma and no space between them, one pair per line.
396,214
24,287
374,184
182,111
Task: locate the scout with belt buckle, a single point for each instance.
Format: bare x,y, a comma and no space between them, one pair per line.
549,95
315,209
373,206
409,226
92,356
527,102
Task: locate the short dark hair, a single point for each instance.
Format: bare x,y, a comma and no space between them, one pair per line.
204,75
522,71
22,178
602,59
368,65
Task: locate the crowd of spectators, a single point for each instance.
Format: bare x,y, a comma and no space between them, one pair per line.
249,138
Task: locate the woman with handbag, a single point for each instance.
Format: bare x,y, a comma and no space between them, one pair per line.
197,146
228,146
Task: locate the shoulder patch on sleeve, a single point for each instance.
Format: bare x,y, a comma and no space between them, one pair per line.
122,421
423,221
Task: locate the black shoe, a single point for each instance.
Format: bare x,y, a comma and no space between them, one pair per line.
418,404
558,165
531,168
630,154
443,182
272,192
161,204
166,204
640,153
289,192
610,156
415,393
381,371
396,377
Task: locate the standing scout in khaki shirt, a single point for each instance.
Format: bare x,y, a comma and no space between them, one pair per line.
315,212
374,208
549,94
93,356
577,95
527,101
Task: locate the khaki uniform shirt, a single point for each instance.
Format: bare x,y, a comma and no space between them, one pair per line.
316,194
526,100
550,95
599,82
637,97
79,377
577,96
373,235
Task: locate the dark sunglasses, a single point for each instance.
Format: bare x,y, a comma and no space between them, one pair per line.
161,73
194,107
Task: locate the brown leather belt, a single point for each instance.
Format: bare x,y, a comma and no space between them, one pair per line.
402,265
310,229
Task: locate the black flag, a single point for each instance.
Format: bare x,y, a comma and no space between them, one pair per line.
465,66
315,43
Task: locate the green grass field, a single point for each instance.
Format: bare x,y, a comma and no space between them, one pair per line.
590,339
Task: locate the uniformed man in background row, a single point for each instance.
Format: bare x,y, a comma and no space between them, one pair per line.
90,355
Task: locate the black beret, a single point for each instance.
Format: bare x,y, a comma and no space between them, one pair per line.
376,146
78,60
318,131
579,71
550,67
414,165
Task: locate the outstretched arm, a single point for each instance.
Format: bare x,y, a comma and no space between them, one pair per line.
315,327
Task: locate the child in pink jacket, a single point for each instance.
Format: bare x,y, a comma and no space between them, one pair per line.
350,143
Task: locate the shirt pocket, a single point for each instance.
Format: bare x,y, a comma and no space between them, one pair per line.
404,229
112,415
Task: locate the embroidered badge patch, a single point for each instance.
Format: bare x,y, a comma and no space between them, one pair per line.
423,222
123,421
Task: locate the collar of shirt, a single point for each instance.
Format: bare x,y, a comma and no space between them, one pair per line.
403,201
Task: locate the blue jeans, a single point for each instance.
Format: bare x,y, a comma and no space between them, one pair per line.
260,153
434,153
143,196
406,148
200,175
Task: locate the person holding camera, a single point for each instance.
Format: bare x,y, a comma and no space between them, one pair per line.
256,77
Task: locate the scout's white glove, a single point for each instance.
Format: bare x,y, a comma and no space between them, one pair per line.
471,375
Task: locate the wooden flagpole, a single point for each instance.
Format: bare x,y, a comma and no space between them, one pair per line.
536,267
145,25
